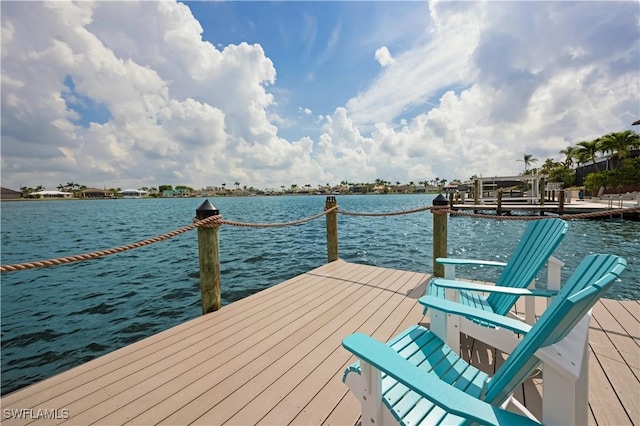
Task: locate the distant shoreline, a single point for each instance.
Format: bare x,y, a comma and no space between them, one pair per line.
214,196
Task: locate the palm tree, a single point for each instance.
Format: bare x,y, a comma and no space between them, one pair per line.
548,165
237,184
569,153
528,159
621,143
589,150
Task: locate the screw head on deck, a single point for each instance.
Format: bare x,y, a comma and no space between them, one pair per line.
440,200
206,210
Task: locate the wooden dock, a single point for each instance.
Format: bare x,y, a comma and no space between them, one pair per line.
576,207
276,358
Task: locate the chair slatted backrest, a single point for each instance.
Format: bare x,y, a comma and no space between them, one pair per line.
587,284
537,244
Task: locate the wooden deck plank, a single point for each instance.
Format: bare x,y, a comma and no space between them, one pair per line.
633,307
268,388
121,381
222,382
627,322
606,409
319,410
56,385
333,365
275,357
221,364
622,378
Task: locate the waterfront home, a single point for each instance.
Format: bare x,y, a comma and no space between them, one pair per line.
133,193
51,194
10,194
178,192
96,193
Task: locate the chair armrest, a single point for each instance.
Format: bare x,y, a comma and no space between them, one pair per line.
463,285
451,261
450,307
428,385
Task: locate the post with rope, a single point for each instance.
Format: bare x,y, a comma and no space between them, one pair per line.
561,197
542,194
499,202
332,229
209,255
439,233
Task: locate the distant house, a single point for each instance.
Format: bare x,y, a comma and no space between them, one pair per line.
402,189
51,194
602,163
172,193
132,193
96,193
10,194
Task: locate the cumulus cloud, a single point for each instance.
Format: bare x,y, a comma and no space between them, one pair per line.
383,56
493,82
176,104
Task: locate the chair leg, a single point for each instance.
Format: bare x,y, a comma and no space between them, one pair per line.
565,398
372,398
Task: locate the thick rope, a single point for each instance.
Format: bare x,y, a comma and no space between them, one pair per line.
416,210
210,222
102,253
279,225
589,215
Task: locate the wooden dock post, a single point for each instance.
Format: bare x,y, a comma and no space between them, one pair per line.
561,196
542,194
439,233
499,208
476,192
332,229
209,255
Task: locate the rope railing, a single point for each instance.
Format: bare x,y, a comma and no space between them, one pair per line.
217,221
210,222
401,212
574,216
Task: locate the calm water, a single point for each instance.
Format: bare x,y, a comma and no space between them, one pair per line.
56,318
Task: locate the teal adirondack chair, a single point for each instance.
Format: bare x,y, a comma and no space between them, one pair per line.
417,379
540,239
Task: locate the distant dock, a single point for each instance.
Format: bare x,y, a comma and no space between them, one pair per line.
575,207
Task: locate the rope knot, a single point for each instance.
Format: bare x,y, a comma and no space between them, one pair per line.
209,222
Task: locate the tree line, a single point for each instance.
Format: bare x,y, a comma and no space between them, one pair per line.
619,169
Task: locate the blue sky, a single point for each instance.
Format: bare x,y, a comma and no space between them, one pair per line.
322,51
133,94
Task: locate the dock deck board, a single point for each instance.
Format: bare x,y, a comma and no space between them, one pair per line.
275,357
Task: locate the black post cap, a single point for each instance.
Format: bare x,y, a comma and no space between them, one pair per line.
440,200
206,210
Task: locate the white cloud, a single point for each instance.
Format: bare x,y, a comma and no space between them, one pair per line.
177,105
383,56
